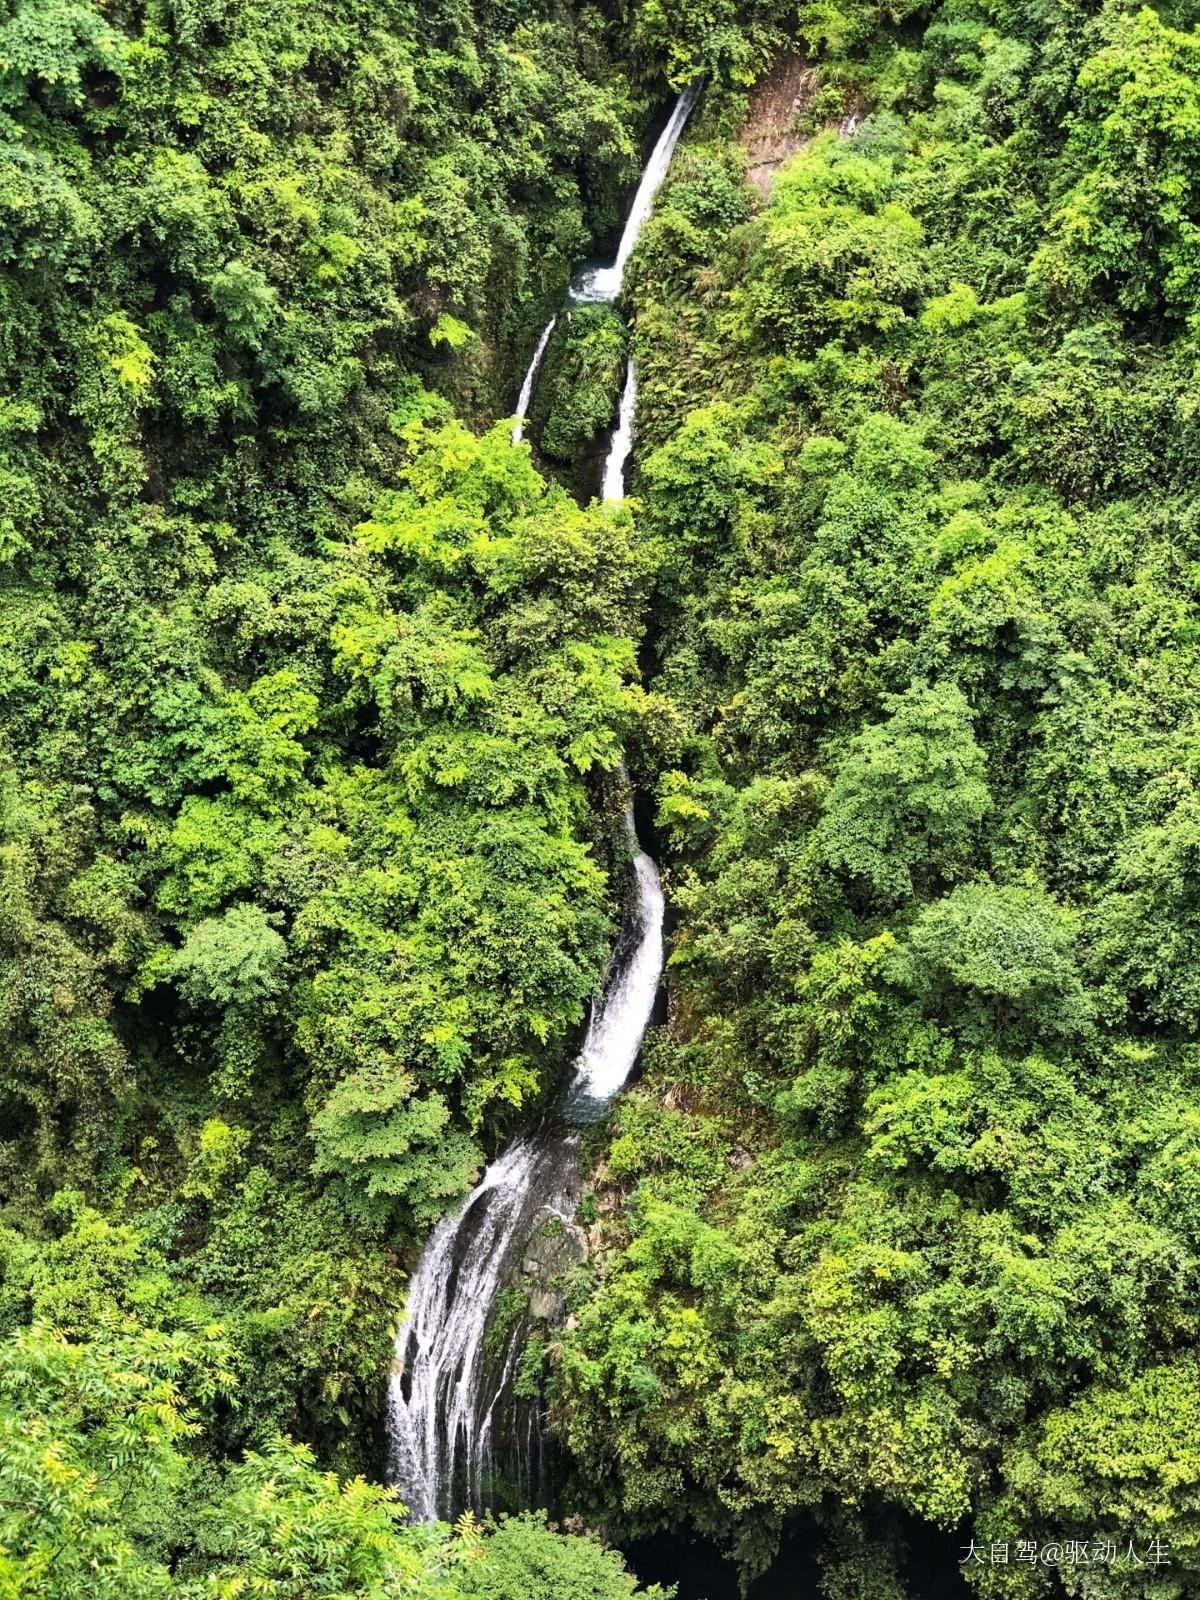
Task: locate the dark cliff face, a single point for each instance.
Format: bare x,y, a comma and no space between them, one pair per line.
552,1250
525,1469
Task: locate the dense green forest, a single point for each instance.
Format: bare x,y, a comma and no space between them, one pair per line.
315,694
903,1224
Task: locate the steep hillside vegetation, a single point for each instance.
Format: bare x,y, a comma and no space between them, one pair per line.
902,1226
309,696
313,699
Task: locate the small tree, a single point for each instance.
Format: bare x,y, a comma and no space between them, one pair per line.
992,957
907,799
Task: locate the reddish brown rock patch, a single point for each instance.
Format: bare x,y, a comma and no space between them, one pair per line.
772,130
774,126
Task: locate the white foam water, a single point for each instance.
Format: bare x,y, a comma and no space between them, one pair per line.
599,282
613,487
526,394
448,1389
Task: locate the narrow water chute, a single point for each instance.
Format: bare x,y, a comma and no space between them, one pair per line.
600,283
613,487
597,284
526,395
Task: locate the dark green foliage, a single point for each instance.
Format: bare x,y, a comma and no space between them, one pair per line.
580,381
312,699
311,715
103,1496
520,1560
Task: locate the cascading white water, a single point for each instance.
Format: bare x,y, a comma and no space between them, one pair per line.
622,440
599,283
526,394
447,1387
595,284
433,1411
446,1384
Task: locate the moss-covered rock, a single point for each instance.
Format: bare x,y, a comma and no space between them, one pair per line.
577,397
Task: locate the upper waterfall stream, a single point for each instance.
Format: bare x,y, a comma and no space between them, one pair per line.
599,283
453,1420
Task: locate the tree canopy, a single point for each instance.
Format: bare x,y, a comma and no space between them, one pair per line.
321,702
895,1234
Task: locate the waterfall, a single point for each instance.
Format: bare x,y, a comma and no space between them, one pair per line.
447,1386
596,284
622,439
526,395
614,1034
600,283
453,1416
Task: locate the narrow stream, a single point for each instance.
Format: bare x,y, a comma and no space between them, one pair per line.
457,1427
526,395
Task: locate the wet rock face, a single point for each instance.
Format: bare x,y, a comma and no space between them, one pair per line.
553,1249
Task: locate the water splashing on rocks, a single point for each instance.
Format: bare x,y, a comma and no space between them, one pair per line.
452,1414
